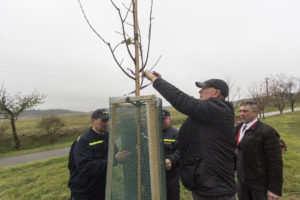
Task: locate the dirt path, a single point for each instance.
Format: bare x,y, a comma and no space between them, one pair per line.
14,160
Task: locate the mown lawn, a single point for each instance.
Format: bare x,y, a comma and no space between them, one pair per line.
288,126
48,179
41,180
38,180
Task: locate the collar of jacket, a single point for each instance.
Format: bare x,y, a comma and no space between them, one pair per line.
253,127
101,134
166,129
227,103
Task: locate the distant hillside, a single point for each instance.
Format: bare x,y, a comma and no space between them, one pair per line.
33,113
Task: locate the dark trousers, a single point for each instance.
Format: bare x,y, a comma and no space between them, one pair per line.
250,193
73,197
173,188
199,197
82,198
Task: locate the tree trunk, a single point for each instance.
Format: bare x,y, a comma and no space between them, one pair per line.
281,110
14,132
136,42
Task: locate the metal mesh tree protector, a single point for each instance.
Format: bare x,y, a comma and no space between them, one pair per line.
135,127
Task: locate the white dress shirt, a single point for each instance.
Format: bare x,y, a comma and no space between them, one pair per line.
245,127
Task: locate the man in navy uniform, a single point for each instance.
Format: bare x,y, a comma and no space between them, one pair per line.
88,160
171,157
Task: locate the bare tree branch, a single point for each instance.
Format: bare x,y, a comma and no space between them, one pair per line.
128,24
128,36
117,46
259,95
278,91
142,76
144,64
149,35
120,66
107,43
233,90
155,63
123,30
90,23
141,50
128,10
142,81
292,90
136,39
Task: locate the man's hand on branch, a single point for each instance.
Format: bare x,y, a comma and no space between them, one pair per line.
151,76
123,156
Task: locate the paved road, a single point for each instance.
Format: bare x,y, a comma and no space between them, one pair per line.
62,152
277,112
14,160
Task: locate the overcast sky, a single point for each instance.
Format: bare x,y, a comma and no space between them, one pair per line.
47,45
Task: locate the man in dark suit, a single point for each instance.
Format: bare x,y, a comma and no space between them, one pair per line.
259,161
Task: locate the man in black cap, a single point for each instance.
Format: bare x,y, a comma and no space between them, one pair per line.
171,156
88,160
206,138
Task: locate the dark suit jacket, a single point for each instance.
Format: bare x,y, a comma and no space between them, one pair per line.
259,160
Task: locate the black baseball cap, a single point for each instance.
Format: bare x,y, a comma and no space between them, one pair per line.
215,83
100,113
165,114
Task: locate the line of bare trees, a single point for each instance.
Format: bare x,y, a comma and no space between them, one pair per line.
277,91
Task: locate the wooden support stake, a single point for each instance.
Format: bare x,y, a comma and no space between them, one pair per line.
111,148
139,153
153,144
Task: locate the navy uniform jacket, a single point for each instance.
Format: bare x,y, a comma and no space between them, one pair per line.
171,149
87,164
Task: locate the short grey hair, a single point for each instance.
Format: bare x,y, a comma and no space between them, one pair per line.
254,106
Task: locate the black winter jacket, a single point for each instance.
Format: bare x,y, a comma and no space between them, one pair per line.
88,163
206,142
259,160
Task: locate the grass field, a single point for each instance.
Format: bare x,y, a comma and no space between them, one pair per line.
28,125
34,139
48,179
38,180
288,126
